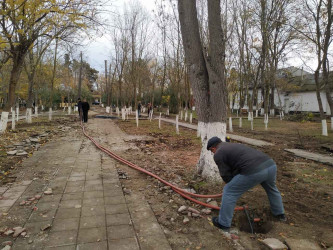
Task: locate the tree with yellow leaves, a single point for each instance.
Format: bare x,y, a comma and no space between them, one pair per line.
22,22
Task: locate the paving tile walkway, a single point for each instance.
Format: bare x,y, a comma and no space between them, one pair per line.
87,210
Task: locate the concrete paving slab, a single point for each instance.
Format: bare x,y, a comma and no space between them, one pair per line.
72,196
65,224
93,194
76,189
113,200
50,198
300,244
93,202
90,235
34,228
116,209
70,203
118,219
93,211
75,183
64,213
92,221
156,241
120,232
61,238
42,215
93,246
312,156
124,244
70,247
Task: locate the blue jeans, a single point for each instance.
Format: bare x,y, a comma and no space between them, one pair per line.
242,183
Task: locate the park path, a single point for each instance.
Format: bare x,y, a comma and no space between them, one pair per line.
87,208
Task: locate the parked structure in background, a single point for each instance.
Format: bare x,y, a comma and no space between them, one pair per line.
296,93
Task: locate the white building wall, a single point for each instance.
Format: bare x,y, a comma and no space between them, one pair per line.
296,102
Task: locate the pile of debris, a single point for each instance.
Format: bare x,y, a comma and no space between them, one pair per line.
21,148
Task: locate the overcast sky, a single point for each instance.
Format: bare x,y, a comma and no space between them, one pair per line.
99,49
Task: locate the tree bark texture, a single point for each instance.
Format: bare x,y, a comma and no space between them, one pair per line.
206,74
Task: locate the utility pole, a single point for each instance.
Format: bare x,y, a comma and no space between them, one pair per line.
110,86
80,77
106,83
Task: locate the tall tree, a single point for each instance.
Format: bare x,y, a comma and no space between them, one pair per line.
22,22
206,74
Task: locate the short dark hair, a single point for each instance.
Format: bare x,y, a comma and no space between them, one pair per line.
213,142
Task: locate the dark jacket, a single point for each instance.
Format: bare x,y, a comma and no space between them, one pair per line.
85,107
234,158
79,106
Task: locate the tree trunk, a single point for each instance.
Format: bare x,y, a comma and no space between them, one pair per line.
206,77
14,78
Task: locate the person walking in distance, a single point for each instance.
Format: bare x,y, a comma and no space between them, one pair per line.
85,108
242,168
139,109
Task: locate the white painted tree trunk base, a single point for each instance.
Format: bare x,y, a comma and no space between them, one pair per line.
324,127
266,121
13,120
240,122
28,115
43,108
17,114
230,124
177,125
137,118
168,112
332,123
272,112
181,115
117,110
36,111
191,118
107,109
159,121
3,121
123,115
206,165
185,116
50,114
257,113
252,124
69,110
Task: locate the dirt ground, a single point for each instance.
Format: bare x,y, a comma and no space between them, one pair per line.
306,186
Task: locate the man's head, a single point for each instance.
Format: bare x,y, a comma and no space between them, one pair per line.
213,143
84,99
78,99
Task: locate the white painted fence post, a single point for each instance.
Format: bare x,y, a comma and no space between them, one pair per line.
324,127
50,114
191,117
17,114
230,124
159,121
177,127
3,122
13,120
137,118
240,122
